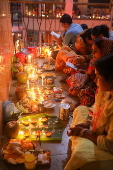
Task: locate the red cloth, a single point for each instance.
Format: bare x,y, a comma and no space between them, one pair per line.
91,67
21,56
33,51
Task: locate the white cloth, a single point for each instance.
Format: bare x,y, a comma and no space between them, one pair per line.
85,154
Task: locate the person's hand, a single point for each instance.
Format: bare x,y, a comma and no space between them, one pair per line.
59,66
66,70
80,71
74,90
78,66
74,131
71,60
80,87
84,125
54,38
66,48
58,40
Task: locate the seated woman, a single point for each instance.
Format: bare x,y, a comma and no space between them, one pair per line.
95,132
83,49
101,31
83,85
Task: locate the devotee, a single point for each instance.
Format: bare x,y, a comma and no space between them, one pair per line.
70,32
78,12
83,85
83,49
101,31
92,134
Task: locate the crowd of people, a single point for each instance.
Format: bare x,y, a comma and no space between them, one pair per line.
93,13
90,50
58,11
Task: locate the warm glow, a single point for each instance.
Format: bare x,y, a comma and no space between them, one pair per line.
3,15
32,75
28,84
29,13
49,53
44,133
40,119
21,133
29,58
33,133
1,59
32,94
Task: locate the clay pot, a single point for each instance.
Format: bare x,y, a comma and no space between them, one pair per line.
12,129
22,77
21,93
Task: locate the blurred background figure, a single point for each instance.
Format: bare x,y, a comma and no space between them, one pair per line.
84,26
78,12
101,31
88,12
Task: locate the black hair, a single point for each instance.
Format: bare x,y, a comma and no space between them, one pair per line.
105,67
66,18
86,34
100,29
98,43
84,26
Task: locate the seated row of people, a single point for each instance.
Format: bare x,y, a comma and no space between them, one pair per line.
82,81
91,131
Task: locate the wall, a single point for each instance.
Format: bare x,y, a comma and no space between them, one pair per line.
6,52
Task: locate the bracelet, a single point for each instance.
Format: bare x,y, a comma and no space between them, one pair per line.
82,131
89,120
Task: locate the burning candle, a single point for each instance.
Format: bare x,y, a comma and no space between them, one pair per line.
49,55
25,122
40,50
29,58
40,122
21,134
28,84
43,133
42,80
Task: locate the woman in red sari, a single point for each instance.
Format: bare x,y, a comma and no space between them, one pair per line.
83,85
79,56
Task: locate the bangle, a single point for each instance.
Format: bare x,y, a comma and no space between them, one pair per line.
82,131
88,121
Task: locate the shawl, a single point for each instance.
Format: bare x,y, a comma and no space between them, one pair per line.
107,46
102,111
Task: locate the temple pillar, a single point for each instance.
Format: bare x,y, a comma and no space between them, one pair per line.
69,7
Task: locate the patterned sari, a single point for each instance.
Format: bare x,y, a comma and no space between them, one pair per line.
87,94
